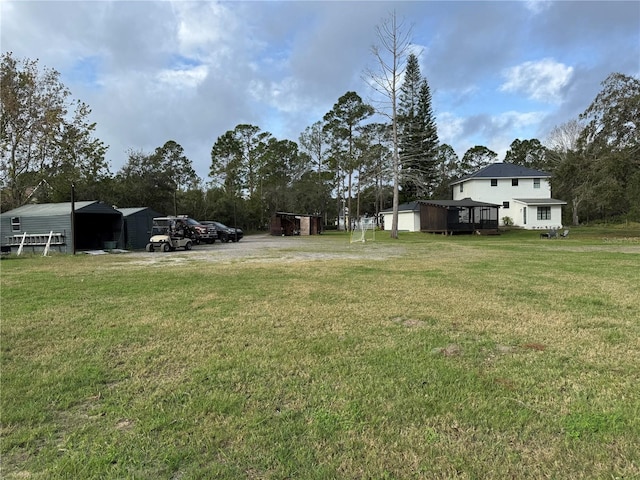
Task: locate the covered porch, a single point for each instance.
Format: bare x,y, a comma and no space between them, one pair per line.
464,216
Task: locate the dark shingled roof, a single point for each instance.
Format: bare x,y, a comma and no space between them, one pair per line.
505,170
404,207
465,202
540,201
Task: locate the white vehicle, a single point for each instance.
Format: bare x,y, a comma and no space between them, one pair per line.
169,233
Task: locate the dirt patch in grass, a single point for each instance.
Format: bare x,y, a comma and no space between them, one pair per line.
535,346
451,350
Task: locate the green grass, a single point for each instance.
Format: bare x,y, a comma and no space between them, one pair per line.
423,357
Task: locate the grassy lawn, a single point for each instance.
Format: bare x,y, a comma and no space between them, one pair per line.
423,357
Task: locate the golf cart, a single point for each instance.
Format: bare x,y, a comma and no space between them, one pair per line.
169,233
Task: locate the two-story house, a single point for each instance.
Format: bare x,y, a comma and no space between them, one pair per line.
523,193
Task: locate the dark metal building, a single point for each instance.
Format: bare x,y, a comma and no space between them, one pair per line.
97,226
136,228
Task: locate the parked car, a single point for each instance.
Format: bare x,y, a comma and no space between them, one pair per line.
204,233
226,233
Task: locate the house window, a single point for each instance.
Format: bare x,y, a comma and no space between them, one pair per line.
461,187
505,204
536,183
544,213
494,182
514,182
15,224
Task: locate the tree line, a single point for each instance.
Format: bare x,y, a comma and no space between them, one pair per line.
342,166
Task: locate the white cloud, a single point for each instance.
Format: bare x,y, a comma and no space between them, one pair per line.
542,80
518,120
538,6
202,25
184,78
189,71
495,132
281,95
450,127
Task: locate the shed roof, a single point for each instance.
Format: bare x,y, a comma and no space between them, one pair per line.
540,201
130,211
126,212
289,214
504,170
404,207
52,209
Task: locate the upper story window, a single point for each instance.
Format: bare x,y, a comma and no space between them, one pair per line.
494,182
514,182
462,187
505,204
15,224
536,183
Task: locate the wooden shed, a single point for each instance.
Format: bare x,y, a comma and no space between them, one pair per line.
97,226
136,229
285,224
458,216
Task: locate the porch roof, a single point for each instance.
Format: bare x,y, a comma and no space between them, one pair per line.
540,201
464,203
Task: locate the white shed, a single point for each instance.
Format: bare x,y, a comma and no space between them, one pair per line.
408,217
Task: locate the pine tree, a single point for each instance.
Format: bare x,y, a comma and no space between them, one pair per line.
429,166
418,135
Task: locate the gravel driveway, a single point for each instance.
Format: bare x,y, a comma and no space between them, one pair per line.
265,247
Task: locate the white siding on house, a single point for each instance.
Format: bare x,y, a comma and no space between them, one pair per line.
522,210
480,189
505,190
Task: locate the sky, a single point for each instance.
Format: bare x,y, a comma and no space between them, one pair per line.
188,71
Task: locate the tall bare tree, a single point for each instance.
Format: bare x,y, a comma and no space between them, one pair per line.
391,58
564,138
570,179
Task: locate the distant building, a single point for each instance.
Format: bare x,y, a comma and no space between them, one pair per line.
408,217
285,224
524,194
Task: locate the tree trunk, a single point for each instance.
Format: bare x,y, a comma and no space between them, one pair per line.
575,202
349,204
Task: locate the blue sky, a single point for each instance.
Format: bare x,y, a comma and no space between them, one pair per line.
187,71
